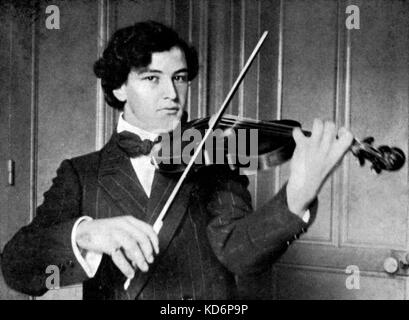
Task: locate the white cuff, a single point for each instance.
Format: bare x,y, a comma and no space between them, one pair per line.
91,261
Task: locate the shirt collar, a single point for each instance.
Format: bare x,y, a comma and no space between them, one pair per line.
126,126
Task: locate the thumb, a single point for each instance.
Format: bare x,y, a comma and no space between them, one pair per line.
298,136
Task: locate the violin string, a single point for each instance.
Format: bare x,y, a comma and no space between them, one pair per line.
286,130
260,124
269,127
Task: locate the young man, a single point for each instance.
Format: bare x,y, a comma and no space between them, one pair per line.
96,220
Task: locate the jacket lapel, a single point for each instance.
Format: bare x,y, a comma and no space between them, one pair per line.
117,177
161,189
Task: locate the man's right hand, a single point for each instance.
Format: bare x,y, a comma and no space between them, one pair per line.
130,242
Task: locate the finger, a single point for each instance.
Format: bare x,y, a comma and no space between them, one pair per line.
148,230
137,237
328,136
133,252
342,144
135,255
317,130
298,136
122,263
140,259
145,246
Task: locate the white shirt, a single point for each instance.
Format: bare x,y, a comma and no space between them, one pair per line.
145,172
142,165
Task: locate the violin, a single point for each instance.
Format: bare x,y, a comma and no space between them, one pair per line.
275,146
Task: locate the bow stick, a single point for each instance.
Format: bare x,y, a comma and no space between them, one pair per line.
212,124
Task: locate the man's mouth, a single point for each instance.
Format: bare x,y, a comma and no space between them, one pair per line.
170,109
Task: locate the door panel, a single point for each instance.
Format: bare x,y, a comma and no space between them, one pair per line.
379,108
310,82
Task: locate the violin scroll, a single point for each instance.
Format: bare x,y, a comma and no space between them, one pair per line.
382,158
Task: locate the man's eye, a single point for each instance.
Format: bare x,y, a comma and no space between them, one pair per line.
151,78
181,78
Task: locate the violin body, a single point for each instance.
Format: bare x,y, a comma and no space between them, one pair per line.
234,149
254,145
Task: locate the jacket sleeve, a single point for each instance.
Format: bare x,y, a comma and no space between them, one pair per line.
40,254
248,241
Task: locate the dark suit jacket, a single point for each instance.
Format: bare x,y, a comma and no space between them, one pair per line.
219,235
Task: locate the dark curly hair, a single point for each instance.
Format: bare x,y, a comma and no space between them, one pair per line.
132,47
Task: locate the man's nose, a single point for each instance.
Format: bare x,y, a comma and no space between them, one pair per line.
169,90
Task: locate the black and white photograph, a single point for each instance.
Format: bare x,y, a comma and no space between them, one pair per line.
210,150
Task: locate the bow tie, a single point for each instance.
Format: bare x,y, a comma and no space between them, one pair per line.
133,145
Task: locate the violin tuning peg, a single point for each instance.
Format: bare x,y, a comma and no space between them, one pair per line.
375,170
368,140
361,161
386,150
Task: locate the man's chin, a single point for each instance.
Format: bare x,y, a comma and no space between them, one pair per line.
169,124
174,124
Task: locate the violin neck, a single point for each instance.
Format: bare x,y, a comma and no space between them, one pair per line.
355,142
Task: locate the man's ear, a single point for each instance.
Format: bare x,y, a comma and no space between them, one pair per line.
120,93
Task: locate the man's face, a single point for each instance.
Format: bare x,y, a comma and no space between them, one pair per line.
156,95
